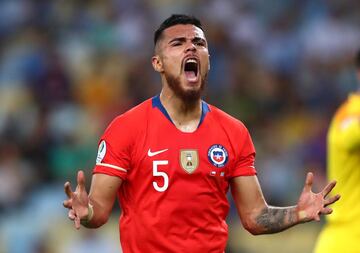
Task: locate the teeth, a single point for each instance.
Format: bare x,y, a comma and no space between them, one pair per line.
191,61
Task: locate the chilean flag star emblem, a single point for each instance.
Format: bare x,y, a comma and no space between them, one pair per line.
218,155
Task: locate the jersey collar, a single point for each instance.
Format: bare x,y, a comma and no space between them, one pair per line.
157,103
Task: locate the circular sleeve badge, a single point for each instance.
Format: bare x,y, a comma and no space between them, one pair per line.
101,152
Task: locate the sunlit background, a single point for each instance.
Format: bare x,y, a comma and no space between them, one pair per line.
68,67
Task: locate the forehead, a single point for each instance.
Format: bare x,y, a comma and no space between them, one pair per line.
185,31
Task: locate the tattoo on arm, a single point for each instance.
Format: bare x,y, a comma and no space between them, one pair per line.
276,219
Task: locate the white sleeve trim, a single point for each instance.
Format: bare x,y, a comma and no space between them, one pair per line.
111,166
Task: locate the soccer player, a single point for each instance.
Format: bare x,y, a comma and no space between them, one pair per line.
171,160
342,231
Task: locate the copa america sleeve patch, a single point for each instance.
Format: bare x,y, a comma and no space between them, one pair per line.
101,152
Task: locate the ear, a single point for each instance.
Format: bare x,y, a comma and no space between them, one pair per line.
209,63
157,63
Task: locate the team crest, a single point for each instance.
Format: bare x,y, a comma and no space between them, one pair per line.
218,155
189,160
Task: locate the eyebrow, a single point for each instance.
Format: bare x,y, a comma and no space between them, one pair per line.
183,39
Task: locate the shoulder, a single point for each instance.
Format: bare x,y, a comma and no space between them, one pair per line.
237,135
226,120
132,119
133,115
349,109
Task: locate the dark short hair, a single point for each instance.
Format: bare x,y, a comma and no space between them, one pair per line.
176,19
357,59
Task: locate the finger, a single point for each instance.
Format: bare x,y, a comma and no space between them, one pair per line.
67,189
81,180
77,222
326,210
332,200
317,218
71,214
328,188
67,203
308,181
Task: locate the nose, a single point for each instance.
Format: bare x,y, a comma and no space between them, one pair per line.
190,47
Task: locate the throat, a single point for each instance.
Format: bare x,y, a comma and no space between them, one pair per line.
186,121
187,127
188,118
185,115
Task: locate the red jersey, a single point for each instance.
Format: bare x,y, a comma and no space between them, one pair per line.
173,194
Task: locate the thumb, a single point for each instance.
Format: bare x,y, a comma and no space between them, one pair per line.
81,180
308,181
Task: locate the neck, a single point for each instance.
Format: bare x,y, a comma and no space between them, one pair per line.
184,114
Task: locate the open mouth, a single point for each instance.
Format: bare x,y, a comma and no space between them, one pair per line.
191,69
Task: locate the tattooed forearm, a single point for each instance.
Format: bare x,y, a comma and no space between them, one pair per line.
275,219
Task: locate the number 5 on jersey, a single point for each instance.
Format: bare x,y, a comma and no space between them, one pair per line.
162,174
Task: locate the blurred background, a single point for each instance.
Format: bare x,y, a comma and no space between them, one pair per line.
68,67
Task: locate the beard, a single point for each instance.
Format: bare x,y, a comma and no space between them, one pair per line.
188,96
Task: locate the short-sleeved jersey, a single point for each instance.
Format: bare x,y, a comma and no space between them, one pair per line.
342,231
173,194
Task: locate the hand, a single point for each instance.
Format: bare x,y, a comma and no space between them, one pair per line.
311,205
77,201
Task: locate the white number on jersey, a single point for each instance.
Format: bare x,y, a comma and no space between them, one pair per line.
162,174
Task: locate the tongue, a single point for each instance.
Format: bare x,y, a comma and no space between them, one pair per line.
190,75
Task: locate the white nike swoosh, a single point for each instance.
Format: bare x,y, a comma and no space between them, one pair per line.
150,154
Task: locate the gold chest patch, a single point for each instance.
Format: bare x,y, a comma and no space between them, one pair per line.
189,160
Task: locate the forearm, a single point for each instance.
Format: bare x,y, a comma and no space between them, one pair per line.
102,197
272,219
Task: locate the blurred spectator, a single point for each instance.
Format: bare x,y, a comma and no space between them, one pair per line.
92,242
16,175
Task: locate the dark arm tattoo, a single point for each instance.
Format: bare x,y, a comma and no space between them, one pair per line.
275,219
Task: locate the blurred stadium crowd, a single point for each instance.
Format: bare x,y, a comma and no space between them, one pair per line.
68,67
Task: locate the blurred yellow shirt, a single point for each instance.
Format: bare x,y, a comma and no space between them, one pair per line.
342,231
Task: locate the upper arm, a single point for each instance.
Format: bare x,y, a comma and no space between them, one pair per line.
103,192
248,198
115,148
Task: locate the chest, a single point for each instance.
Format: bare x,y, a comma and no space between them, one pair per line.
164,156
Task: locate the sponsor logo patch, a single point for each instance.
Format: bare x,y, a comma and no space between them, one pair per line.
150,153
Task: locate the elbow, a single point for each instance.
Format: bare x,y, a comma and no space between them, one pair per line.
255,232
252,227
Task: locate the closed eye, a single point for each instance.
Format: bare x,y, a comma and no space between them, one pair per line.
200,43
176,44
